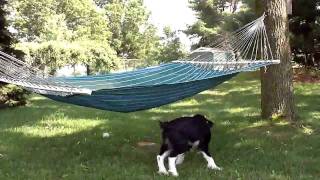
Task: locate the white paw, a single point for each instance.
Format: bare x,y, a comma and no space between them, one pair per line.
174,173
163,172
215,168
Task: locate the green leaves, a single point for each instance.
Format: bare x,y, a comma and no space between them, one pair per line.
52,55
46,20
59,33
131,31
218,16
172,48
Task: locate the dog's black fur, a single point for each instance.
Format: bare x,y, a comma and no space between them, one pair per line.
179,133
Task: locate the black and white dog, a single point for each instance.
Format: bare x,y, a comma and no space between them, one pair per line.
179,136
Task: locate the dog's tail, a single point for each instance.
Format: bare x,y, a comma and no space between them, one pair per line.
163,125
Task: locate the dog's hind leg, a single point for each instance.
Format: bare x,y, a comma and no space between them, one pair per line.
204,148
164,152
178,150
172,163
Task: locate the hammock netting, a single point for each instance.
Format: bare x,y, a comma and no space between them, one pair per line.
246,49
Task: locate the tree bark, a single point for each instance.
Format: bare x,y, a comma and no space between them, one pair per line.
277,80
88,69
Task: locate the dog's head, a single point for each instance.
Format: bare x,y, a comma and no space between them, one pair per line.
202,118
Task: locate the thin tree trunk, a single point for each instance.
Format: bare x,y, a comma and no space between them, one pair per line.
276,80
88,69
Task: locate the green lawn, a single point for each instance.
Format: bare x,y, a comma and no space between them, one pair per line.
51,140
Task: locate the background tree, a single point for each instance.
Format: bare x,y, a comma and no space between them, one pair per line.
172,48
133,37
43,20
277,80
305,29
9,95
215,17
121,27
51,29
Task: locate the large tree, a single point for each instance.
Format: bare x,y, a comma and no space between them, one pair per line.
9,95
276,80
277,87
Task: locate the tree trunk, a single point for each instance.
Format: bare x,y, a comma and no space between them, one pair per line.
277,80
88,69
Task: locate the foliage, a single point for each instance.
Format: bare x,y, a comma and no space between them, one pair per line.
119,25
133,37
46,20
101,3
9,95
214,20
55,54
305,29
59,33
216,17
247,147
172,48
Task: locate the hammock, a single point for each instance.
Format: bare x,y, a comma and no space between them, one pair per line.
246,49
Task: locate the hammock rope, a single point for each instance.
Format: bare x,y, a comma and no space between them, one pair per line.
246,49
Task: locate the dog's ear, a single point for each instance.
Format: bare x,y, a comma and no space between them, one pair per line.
210,123
163,125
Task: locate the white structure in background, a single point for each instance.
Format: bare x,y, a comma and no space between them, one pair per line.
68,71
233,7
81,70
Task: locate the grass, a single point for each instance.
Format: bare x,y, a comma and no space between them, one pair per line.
51,140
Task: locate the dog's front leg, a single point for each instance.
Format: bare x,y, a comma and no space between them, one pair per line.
160,160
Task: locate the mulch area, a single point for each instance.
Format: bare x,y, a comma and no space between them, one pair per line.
306,76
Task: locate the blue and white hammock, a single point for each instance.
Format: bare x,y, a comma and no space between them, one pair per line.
246,49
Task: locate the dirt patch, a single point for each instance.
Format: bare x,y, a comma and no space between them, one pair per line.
145,144
306,75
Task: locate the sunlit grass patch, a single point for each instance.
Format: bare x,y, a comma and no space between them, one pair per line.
239,110
55,124
186,103
215,93
307,130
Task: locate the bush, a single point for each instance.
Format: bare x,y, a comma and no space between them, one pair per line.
11,95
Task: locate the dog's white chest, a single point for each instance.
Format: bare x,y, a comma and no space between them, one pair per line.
194,144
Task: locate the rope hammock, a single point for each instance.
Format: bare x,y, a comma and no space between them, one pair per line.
246,49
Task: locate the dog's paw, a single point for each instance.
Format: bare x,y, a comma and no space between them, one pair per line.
215,168
163,173
175,174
